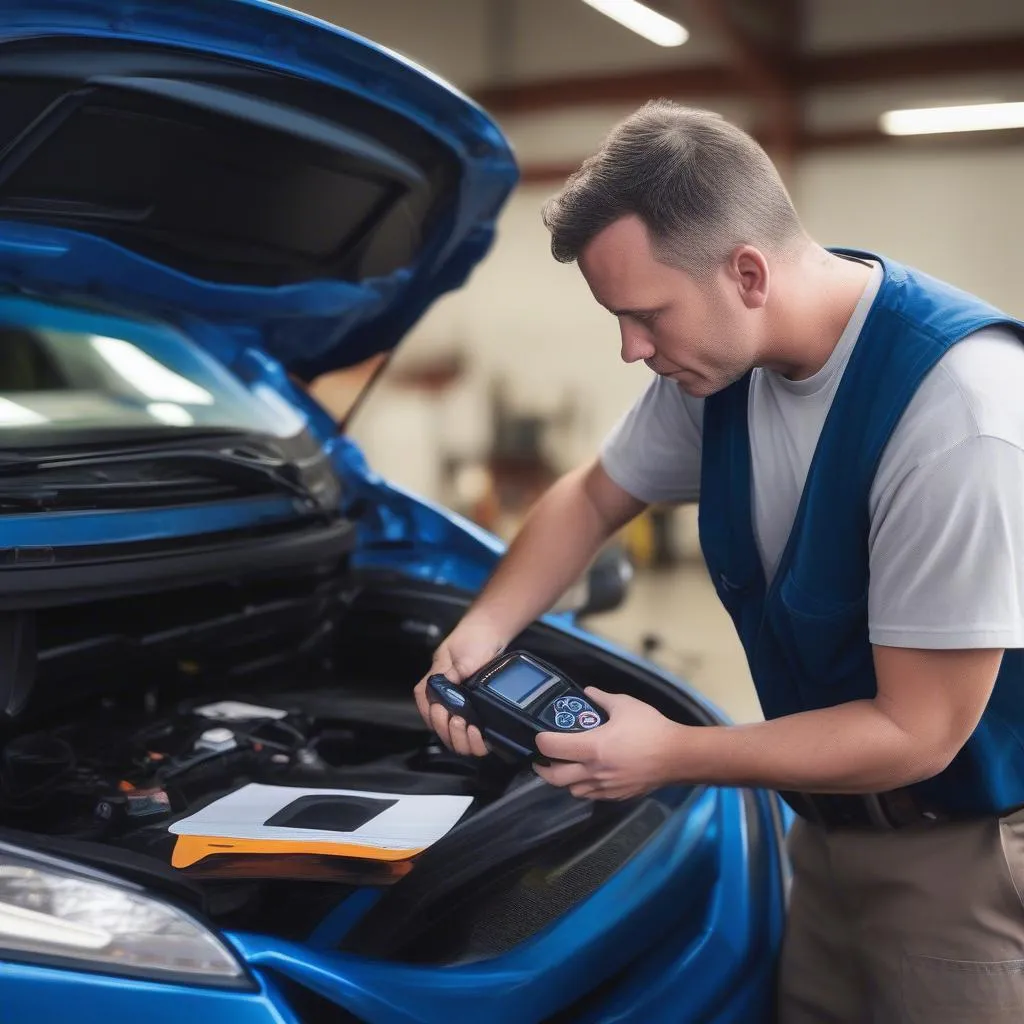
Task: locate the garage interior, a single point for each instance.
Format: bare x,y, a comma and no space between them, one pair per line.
516,377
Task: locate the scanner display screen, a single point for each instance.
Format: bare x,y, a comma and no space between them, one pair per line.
520,682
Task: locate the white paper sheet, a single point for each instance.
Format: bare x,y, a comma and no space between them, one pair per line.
413,822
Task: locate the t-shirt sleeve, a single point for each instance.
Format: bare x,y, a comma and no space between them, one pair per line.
947,558
653,452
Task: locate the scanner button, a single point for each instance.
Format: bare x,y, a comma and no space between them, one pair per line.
571,704
565,720
454,697
588,719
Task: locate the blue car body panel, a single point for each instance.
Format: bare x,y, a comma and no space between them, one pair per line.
311,324
683,965
679,933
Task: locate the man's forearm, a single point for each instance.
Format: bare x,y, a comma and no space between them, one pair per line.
851,748
558,540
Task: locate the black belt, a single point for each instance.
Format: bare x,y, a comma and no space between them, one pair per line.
882,811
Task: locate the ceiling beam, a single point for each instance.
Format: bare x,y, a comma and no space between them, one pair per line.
818,142
584,90
922,60
702,82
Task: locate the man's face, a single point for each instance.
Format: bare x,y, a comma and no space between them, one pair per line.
698,333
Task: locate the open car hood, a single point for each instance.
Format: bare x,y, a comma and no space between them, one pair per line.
240,170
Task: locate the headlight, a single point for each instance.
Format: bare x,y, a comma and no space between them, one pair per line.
53,915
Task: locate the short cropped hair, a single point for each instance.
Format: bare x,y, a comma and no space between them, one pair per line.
700,185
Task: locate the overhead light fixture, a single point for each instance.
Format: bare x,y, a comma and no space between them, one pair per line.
972,117
641,19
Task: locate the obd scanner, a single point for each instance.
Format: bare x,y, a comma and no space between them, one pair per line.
513,698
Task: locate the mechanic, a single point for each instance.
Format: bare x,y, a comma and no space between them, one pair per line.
854,432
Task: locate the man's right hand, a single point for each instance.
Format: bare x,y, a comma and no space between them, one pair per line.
559,538
467,648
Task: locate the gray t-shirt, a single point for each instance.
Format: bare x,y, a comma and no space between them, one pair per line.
947,502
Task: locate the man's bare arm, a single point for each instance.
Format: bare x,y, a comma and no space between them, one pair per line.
927,705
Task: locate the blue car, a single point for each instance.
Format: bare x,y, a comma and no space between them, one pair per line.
217,800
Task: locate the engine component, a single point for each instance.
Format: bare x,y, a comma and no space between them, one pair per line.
217,740
121,808
238,711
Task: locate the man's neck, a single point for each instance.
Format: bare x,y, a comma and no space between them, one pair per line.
815,296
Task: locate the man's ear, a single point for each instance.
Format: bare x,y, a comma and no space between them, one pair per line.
748,271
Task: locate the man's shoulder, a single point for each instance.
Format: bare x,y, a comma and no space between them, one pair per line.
984,376
975,391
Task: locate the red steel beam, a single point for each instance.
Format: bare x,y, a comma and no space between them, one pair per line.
892,63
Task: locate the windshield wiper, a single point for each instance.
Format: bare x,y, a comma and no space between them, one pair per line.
241,467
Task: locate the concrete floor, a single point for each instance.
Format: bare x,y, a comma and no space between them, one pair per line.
698,641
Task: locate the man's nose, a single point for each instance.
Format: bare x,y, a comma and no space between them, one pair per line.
635,345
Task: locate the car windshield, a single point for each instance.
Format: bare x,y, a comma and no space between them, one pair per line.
140,379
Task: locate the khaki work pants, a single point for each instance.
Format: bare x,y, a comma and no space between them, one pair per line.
923,925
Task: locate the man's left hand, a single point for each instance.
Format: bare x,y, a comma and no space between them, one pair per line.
631,754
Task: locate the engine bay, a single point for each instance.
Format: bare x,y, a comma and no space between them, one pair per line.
132,718
122,776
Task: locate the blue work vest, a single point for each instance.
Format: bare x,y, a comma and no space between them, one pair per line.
806,636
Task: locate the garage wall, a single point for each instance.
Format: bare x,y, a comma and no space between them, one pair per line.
957,215
840,25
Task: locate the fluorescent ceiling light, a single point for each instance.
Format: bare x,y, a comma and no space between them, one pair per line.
642,20
974,117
